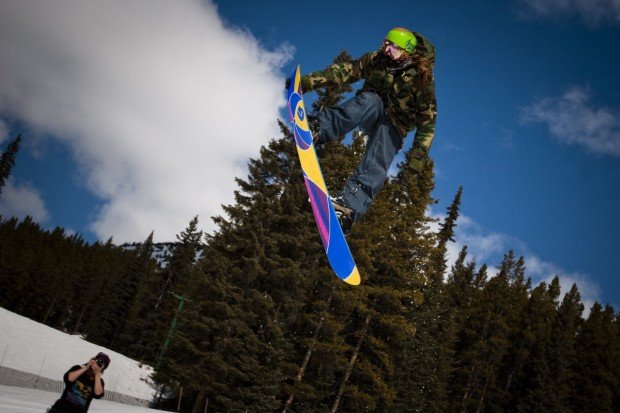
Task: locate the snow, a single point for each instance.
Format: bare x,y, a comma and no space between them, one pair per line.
35,348
20,400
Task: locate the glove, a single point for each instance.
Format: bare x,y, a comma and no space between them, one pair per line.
418,159
287,84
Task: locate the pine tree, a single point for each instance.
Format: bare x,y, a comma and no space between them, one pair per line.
446,231
568,324
486,361
182,258
18,266
596,369
103,265
429,353
239,315
388,243
7,160
531,384
464,288
461,287
217,350
59,279
252,288
126,293
155,307
8,264
62,261
480,279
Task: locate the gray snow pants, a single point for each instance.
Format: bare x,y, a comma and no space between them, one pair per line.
366,111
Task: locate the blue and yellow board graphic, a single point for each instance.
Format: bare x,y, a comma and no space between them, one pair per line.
334,242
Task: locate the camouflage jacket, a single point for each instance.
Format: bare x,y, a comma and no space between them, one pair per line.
409,102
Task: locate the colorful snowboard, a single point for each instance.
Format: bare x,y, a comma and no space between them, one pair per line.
334,242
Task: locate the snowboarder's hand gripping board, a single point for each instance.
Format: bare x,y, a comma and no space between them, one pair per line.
334,242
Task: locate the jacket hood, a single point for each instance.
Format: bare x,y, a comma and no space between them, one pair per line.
426,47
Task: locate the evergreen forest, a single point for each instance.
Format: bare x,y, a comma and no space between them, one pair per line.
263,325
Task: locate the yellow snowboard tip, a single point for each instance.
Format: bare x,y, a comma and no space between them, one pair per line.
354,277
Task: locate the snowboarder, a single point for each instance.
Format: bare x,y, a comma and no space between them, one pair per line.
82,385
398,95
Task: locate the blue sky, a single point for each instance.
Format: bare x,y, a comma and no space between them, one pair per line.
138,116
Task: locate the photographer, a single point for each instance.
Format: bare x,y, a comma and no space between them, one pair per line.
82,385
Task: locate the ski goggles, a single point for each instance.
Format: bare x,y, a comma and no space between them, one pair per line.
394,51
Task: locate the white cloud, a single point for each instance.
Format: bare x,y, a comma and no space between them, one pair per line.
488,247
592,12
160,102
22,200
540,270
574,119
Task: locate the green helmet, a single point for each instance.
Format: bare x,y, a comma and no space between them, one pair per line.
402,38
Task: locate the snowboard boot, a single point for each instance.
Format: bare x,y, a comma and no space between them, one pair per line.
344,214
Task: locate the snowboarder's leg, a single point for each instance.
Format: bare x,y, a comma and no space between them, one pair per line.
363,110
383,144
366,111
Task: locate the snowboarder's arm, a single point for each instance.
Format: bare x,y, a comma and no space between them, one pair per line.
425,129
337,75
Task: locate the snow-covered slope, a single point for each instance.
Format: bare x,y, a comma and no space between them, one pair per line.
18,400
36,348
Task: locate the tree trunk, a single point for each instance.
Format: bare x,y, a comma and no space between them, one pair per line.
77,325
163,291
484,393
471,382
49,310
302,368
199,403
349,369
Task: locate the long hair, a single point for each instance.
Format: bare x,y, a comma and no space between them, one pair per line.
424,65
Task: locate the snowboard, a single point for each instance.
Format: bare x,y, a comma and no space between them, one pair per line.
335,244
